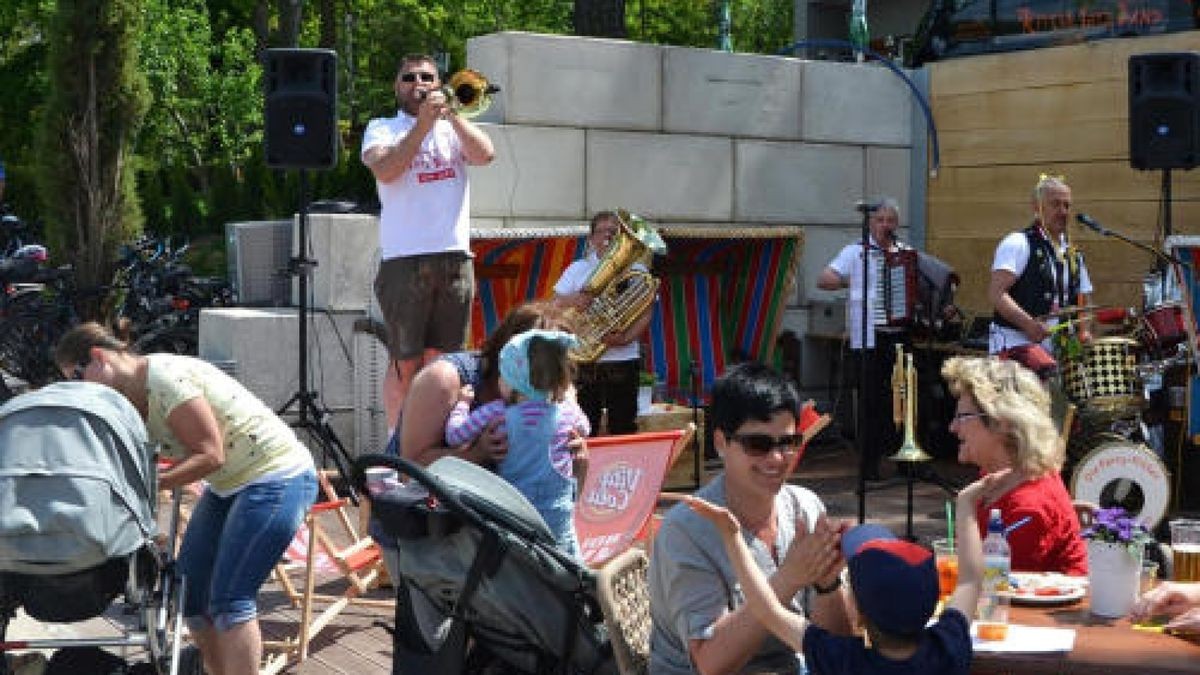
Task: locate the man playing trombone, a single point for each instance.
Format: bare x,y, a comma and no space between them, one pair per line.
1036,274
846,270
425,281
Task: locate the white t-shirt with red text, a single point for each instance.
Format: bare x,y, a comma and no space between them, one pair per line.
426,209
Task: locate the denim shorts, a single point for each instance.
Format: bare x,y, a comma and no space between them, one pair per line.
232,544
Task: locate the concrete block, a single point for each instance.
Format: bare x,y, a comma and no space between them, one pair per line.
852,103
887,174
559,80
346,249
538,171
489,55
263,343
660,176
485,224
711,92
781,182
821,246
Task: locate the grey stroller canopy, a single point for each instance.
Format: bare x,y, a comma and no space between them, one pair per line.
77,479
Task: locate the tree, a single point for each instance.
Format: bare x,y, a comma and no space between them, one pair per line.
600,18
96,100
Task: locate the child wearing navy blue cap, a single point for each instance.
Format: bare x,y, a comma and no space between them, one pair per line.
895,587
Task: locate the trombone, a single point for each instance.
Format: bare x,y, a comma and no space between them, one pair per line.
904,407
468,93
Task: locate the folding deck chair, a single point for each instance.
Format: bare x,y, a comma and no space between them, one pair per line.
358,562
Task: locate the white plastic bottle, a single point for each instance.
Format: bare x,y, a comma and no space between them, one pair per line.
993,604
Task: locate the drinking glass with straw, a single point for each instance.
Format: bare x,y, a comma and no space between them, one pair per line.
946,557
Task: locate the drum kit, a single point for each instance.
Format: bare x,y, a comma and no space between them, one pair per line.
1108,380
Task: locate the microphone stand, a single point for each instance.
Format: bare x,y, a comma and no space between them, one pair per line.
860,432
1169,259
1104,231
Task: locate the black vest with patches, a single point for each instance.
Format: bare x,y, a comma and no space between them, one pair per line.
1034,289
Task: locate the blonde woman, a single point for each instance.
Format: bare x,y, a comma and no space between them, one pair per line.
1002,421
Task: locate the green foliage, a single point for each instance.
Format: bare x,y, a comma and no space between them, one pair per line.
758,26
95,101
179,98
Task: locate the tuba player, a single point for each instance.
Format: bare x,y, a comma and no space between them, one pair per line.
611,382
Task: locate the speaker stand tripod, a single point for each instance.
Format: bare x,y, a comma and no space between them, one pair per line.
310,417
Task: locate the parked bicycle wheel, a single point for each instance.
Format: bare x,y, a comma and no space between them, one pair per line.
27,339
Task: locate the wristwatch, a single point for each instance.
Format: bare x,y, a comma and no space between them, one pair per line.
825,590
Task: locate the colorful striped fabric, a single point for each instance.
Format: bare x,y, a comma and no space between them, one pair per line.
722,298
512,267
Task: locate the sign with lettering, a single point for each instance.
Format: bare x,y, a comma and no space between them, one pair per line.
1127,474
620,491
961,27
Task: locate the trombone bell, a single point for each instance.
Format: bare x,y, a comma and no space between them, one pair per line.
469,93
910,452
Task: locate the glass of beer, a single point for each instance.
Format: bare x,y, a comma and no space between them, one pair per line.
1185,543
947,566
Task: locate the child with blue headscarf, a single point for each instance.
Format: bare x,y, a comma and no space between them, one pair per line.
541,419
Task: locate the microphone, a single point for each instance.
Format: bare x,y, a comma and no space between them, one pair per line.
863,206
1091,223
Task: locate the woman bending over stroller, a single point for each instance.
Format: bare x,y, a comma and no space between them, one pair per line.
260,481
541,419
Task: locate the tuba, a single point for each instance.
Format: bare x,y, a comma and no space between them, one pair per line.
619,293
468,93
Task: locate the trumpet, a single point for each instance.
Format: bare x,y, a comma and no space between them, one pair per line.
904,403
468,93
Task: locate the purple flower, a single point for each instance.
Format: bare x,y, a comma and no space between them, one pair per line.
1114,525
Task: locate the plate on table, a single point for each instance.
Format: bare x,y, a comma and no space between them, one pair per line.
1046,588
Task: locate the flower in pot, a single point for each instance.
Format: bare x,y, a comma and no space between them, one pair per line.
1116,541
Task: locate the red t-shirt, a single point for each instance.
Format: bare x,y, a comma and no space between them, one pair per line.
1050,542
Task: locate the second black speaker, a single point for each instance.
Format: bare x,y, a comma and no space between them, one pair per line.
301,108
1164,110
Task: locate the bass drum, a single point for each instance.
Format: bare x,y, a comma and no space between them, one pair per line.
1120,472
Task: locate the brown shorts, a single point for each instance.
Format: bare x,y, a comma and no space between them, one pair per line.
426,302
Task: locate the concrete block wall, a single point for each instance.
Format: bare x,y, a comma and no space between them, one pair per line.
696,137
345,248
263,346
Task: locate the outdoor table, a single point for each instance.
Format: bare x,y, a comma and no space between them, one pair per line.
1108,646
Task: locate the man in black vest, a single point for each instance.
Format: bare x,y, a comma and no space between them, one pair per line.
1036,273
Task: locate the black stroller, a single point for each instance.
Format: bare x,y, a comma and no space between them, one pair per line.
481,587
78,496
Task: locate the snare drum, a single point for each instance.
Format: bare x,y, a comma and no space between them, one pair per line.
1102,379
1164,326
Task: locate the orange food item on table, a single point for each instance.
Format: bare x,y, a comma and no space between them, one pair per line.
993,631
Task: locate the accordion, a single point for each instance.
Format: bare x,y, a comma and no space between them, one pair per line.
896,283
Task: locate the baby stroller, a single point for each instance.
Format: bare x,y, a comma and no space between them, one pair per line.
473,550
78,495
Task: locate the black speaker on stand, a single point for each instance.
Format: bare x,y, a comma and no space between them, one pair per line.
301,108
301,133
1164,116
